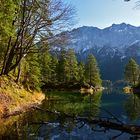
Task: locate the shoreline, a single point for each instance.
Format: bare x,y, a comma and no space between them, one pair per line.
20,110
15,99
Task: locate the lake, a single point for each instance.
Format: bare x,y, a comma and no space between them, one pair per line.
55,120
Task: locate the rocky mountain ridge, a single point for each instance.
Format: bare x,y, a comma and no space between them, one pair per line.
112,46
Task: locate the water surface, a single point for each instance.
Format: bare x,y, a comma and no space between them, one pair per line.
42,125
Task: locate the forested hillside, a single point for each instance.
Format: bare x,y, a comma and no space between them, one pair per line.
28,29
27,34
23,25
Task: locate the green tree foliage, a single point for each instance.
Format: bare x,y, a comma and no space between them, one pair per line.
81,73
7,30
7,15
48,66
132,72
92,72
31,20
132,107
31,74
61,66
65,70
71,67
23,24
53,67
45,62
68,70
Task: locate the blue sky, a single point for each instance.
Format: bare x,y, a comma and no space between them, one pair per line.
103,13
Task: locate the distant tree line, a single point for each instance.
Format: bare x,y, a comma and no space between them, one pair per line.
57,71
63,70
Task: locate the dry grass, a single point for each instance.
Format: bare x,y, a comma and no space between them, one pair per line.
13,95
1,110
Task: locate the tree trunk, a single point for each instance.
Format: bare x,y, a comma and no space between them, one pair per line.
5,56
19,73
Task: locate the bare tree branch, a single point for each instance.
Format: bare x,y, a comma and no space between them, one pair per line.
36,20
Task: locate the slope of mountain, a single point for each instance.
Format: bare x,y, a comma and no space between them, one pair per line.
112,46
118,35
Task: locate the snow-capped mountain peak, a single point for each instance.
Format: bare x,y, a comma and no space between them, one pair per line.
113,45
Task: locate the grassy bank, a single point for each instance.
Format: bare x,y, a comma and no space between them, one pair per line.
13,97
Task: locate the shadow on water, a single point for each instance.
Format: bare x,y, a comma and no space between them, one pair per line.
40,125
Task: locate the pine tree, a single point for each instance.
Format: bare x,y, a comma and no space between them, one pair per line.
67,70
31,72
60,66
71,67
45,62
92,72
53,67
132,72
81,73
